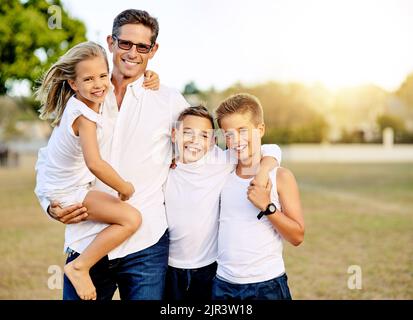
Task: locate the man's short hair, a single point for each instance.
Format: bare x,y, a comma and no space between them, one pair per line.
241,103
133,16
198,111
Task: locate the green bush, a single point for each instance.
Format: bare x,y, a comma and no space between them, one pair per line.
314,131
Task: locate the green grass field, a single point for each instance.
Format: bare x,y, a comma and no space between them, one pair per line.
356,214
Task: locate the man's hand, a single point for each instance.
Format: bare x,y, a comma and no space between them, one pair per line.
68,215
151,80
260,196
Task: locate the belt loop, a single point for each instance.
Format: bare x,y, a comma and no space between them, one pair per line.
188,279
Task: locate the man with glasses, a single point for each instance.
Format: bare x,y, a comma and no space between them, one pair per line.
136,125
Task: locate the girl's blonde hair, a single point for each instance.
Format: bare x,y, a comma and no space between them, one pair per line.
54,90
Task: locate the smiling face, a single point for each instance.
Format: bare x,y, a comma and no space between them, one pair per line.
91,82
194,138
130,63
242,136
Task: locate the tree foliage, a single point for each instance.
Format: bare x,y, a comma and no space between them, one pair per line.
28,43
290,111
405,92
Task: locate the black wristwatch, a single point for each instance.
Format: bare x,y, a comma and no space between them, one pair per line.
271,209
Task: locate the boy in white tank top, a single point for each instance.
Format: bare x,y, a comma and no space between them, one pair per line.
250,263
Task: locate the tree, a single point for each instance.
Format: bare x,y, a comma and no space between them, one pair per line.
405,92
191,88
30,39
391,121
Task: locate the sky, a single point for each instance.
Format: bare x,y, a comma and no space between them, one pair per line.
337,43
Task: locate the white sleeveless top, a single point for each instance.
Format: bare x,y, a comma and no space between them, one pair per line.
65,167
249,250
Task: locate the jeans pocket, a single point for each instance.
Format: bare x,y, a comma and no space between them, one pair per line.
284,289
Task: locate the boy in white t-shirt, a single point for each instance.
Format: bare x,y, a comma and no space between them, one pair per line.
250,262
192,203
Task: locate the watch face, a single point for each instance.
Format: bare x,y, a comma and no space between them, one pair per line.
272,208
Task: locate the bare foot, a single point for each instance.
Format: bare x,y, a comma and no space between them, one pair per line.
81,280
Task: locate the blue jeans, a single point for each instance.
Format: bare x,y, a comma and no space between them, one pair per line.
139,276
274,289
190,284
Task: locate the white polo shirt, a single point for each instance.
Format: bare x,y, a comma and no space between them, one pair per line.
136,141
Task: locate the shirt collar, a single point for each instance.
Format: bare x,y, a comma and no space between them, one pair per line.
211,157
136,85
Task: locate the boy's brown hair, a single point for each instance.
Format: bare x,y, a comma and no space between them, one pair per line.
198,111
241,103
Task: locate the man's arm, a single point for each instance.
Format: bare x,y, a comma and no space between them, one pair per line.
68,215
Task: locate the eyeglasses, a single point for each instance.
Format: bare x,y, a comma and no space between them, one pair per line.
127,45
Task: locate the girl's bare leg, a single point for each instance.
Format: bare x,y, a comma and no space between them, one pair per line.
124,220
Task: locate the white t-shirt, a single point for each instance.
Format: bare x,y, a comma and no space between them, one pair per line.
137,143
192,206
65,168
249,250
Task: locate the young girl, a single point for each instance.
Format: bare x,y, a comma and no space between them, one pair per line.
72,93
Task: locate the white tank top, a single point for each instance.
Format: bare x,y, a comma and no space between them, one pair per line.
65,168
249,250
